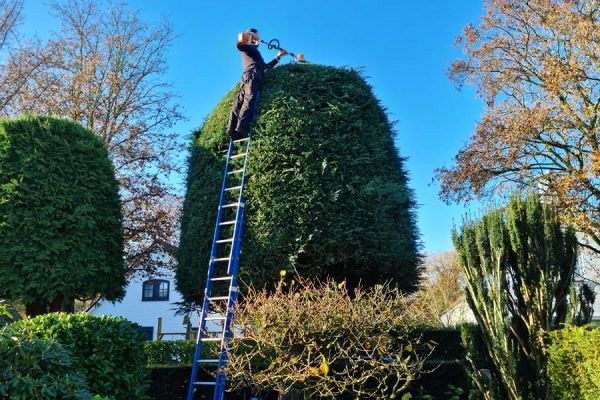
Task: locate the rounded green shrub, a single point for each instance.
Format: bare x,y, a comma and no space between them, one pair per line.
327,193
38,368
61,234
109,351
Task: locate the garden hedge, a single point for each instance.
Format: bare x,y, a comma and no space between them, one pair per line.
327,192
108,351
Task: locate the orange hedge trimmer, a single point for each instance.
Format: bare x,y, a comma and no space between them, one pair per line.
274,44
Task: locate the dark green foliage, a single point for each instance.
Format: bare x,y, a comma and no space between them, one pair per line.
108,351
61,234
586,297
446,342
519,266
327,192
176,352
171,382
8,313
574,363
38,368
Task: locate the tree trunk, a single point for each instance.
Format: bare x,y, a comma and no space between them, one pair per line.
56,305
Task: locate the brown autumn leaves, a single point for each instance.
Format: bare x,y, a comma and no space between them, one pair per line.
536,64
105,70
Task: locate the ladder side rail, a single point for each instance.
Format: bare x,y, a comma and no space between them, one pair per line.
234,252
233,290
207,290
213,251
228,323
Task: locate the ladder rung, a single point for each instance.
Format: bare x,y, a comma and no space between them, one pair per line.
205,383
225,240
233,188
208,360
217,318
237,171
221,259
239,155
241,140
211,339
221,278
231,205
227,223
217,298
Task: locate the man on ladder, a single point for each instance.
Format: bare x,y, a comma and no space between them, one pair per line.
242,110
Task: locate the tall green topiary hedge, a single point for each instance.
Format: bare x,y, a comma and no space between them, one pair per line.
327,191
61,234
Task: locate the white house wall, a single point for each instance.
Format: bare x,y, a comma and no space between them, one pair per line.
146,313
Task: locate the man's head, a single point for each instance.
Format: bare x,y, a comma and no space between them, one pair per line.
255,38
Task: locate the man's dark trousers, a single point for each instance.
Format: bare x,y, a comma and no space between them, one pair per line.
242,110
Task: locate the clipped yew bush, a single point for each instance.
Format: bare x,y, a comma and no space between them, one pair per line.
108,351
61,234
327,192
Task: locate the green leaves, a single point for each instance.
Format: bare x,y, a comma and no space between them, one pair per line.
107,351
327,192
38,368
60,219
519,265
573,362
176,352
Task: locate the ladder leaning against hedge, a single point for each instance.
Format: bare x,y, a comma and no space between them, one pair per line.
221,290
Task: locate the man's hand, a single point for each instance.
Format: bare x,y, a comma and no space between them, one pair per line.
282,52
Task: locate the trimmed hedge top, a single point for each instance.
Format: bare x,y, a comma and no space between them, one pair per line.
327,193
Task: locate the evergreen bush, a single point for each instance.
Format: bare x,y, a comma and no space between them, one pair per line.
61,234
574,363
38,368
519,269
107,350
175,352
327,192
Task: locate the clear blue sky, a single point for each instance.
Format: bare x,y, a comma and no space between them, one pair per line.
404,48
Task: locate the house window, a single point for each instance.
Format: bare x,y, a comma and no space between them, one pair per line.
155,290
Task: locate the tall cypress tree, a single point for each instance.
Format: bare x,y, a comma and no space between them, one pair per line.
519,265
327,193
61,232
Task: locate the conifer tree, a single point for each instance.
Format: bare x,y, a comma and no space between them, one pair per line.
61,231
519,265
327,193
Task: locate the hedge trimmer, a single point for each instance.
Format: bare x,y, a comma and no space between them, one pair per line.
274,44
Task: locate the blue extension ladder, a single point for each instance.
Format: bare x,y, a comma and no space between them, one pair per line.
222,270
